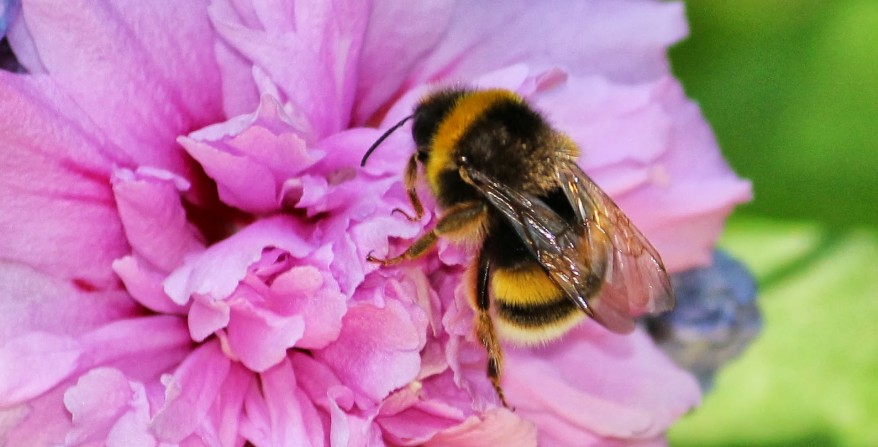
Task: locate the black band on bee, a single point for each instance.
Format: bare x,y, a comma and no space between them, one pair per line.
536,315
384,137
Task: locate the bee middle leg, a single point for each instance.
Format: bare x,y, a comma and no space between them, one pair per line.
485,326
411,179
460,218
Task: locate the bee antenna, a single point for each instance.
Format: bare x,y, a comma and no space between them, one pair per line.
384,137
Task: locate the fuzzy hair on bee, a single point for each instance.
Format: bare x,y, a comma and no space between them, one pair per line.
553,247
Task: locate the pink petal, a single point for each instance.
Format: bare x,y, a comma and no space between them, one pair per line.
250,164
153,216
144,284
132,430
324,38
322,309
612,123
261,338
349,429
33,363
496,427
41,421
627,389
280,413
122,345
241,183
223,421
377,350
190,393
33,301
316,379
691,188
53,167
106,407
218,270
240,91
345,191
415,414
207,316
625,41
140,73
397,36
347,426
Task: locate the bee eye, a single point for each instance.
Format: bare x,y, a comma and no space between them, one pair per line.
462,160
422,156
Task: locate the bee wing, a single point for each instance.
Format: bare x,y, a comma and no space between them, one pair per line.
603,246
553,241
635,280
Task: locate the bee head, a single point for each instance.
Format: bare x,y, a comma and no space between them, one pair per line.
428,114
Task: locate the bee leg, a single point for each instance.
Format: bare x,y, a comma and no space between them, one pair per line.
459,218
485,326
411,178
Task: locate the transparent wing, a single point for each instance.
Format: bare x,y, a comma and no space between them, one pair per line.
635,281
552,240
591,260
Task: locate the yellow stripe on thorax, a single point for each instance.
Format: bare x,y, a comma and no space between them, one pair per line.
529,286
465,112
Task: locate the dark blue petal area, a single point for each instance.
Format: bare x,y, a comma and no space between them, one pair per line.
714,320
8,11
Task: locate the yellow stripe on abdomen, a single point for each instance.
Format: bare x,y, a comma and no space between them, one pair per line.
529,285
529,308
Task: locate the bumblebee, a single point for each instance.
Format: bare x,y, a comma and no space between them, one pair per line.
554,248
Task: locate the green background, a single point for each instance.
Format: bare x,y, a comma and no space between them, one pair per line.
791,89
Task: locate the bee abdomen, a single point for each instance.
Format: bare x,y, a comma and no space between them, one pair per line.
534,317
528,307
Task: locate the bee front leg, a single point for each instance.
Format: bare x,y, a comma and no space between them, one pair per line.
485,326
411,179
461,218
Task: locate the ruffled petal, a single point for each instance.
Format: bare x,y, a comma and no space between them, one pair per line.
377,350
324,39
320,307
106,406
217,271
251,156
142,74
222,424
144,283
155,222
280,414
260,338
190,393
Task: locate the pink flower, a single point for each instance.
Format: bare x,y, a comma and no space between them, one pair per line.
185,225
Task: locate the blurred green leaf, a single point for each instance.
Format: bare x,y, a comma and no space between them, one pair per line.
810,379
790,88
